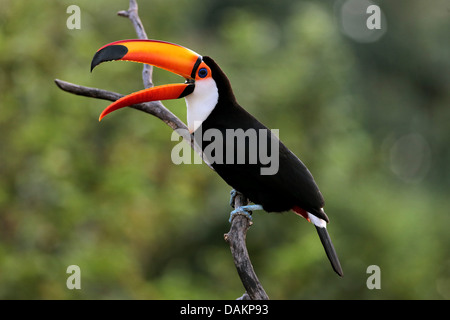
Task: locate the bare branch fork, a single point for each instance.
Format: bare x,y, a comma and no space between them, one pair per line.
240,224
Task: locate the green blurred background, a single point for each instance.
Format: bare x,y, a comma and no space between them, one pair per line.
367,111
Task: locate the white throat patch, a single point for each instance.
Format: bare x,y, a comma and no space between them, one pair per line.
201,102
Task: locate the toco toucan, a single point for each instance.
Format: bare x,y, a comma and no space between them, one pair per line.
211,104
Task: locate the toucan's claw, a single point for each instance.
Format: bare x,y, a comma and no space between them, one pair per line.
245,211
233,194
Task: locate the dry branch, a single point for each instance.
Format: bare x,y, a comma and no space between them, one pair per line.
240,224
236,239
155,108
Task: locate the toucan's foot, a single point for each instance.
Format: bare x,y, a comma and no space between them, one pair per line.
233,194
245,211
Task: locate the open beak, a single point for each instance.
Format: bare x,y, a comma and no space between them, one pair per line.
165,55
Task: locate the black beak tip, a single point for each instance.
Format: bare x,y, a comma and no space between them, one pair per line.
109,53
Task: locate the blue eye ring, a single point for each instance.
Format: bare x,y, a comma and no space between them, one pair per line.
202,73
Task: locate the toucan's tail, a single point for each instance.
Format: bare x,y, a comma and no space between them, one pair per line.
321,227
329,249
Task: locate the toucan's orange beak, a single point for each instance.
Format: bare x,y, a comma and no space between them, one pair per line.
165,55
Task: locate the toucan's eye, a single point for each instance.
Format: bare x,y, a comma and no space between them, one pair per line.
202,72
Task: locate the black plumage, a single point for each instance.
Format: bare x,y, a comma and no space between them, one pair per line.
293,185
